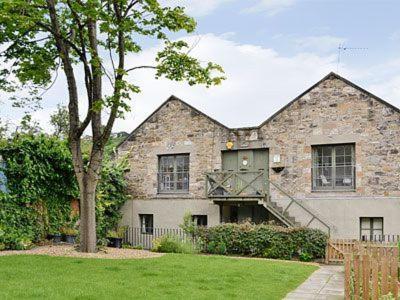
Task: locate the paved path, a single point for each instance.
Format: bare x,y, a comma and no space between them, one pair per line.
324,284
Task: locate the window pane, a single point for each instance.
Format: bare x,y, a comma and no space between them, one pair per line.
365,223
377,223
339,150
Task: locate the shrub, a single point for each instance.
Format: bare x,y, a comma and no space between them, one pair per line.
262,240
173,244
304,256
216,248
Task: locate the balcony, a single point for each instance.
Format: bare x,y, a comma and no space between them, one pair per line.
236,184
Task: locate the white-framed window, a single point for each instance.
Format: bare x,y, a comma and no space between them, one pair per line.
173,173
146,223
200,220
371,229
333,167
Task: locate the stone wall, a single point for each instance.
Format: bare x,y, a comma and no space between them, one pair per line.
331,113
174,128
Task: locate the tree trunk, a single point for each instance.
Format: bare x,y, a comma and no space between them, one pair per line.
88,239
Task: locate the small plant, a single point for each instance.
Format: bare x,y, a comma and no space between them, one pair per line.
188,225
118,233
304,256
69,231
173,244
115,237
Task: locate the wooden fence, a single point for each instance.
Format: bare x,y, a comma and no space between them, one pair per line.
336,248
371,272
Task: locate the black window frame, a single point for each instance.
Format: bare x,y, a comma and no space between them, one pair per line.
149,224
199,220
371,236
318,162
175,182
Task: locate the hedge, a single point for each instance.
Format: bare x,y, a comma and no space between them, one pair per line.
263,240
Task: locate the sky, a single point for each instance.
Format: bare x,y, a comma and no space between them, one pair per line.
271,51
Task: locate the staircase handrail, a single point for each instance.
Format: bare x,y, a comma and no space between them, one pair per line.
301,205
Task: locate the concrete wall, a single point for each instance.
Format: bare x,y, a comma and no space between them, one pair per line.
344,214
168,213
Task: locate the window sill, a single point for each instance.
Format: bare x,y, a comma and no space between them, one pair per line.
174,195
334,191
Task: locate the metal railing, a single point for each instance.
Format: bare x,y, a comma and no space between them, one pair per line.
144,237
235,184
294,201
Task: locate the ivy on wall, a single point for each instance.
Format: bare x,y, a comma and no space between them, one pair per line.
40,187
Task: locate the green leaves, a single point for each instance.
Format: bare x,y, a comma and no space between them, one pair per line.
175,64
32,54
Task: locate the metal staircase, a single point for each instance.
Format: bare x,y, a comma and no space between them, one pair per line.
286,214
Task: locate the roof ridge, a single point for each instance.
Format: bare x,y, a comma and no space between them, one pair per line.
328,76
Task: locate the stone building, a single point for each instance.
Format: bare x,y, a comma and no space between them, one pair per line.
329,159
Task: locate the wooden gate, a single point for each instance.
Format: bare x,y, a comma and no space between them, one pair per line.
372,272
336,249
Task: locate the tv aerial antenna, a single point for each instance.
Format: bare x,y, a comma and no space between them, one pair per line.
341,49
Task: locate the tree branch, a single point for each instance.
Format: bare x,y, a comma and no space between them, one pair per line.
141,67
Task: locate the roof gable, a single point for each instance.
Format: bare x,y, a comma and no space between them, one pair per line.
171,98
327,77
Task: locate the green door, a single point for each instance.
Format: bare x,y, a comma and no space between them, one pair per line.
247,163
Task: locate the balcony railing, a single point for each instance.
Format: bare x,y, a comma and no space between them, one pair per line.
236,184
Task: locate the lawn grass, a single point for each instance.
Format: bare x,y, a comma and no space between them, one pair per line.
173,276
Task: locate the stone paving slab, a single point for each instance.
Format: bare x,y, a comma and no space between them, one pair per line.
327,283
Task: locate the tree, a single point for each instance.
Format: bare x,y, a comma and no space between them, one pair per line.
59,121
93,38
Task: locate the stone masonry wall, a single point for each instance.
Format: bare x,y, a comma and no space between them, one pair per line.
335,112
332,112
174,128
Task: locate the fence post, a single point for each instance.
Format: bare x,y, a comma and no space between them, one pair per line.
347,275
375,279
366,276
385,278
356,280
394,272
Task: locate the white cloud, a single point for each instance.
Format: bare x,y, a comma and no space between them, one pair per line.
322,43
271,7
259,82
198,8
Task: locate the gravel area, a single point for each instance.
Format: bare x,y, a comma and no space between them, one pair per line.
70,251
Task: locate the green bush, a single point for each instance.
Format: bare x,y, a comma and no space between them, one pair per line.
304,256
173,244
262,240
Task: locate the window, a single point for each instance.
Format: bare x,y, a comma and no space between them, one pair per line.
371,229
333,167
173,173
200,220
146,224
